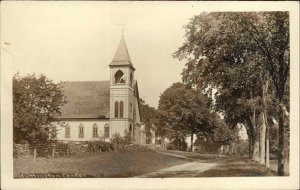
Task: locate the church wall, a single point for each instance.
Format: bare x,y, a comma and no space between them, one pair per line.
138,135
88,130
138,118
120,93
131,100
119,126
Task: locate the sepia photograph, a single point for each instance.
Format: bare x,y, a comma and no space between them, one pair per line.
149,91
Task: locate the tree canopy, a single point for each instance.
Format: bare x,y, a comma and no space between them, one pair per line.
149,119
184,109
245,56
36,104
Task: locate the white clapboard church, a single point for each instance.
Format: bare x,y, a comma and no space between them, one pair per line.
99,109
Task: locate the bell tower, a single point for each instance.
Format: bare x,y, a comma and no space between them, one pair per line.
121,91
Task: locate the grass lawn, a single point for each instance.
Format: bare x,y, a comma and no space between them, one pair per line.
130,164
273,166
102,164
237,167
226,166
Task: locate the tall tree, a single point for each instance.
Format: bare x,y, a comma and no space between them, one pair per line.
222,135
270,33
36,104
149,119
186,111
244,51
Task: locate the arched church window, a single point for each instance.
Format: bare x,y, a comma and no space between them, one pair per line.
116,109
130,110
81,131
121,109
95,130
119,77
131,79
67,131
106,130
130,129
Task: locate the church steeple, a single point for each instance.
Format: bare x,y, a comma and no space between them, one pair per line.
121,56
122,70
122,91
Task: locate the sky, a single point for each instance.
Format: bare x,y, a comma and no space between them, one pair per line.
76,41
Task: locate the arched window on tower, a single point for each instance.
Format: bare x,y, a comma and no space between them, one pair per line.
131,79
121,109
116,109
119,77
130,110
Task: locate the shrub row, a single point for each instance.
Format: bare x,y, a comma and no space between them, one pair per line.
62,149
100,146
21,150
45,149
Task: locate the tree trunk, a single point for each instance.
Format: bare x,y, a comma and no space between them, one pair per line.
250,137
267,148
192,141
250,147
281,142
264,159
262,139
232,148
255,135
255,153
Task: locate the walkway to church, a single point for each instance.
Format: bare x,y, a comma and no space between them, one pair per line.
210,165
191,169
185,170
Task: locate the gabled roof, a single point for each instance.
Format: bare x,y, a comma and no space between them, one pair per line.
86,99
136,92
122,56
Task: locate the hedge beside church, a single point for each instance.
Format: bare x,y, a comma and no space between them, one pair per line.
63,149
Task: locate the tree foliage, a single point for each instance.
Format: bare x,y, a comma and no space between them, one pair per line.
36,104
149,119
188,111
245,56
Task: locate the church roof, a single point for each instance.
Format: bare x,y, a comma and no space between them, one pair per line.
86,99
122,56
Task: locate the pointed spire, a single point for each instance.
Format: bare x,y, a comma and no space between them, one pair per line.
122,56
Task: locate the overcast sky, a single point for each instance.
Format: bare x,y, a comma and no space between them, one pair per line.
75,41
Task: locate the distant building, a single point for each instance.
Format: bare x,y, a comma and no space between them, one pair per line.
99,109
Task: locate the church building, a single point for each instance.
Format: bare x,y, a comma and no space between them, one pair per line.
99,109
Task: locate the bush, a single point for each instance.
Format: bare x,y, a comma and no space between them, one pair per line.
21,150
99,146
123,144
137,148
170,147
241,147
43,149
177,144
61,149
120,142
